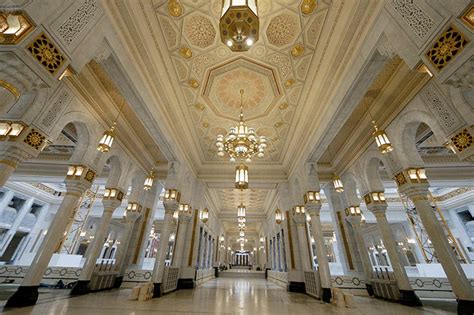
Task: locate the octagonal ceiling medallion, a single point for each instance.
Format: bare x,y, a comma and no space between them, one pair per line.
223,83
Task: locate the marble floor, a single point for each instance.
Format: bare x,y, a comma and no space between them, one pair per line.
218,296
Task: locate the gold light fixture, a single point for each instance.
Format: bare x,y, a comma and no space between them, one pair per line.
239,24
417,175
75,171
134,207
13,27
336,181
11,129
204,215
278,216
172,195
381,139
241,142
353,211
105,143
176,215
185,208
242,177
241,210
312,196
241,219
149,181
299,210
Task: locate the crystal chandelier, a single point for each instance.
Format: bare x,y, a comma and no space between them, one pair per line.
239,24
241,142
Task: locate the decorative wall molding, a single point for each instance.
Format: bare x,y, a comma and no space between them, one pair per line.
418,20
59,104
442,110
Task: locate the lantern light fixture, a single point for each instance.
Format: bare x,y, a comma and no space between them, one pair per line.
176,215
134,207
278,216
338,186
105,143
381,139
204,215
353,211
241,210
149,181
417,175
242,177
239,24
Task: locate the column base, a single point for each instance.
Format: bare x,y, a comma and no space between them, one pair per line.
370,289
24,296
156,290
185,284
409,298
118,282
81,287
326,297
297,287
465,307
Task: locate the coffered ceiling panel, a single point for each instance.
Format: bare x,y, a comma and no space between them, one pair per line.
253,199
272,73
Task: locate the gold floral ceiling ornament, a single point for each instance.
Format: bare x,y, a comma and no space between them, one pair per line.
447,46
241,142
175,9
462,140
43,50
193,83
308,6
239,24
186,52
297,50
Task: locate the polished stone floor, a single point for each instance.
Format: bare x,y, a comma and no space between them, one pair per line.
218,296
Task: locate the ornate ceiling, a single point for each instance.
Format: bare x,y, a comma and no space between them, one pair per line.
272,72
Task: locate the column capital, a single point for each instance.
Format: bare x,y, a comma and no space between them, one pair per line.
170,206
131,217
355,220
378,209
111,204
410,177
25,138
185,216
313,208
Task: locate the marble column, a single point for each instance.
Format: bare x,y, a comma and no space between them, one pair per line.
10,156
460,284
407,294
27,293
300,220
83,284
120,263
184,219
22,212
313,209
170,207
355,221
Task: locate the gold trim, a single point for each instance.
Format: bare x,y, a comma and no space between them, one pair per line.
73,194
468,17
290,238
43,49
9,163
344,241
10,88
142,233
419,198
446,47
193,236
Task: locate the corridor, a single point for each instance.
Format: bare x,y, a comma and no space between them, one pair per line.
218,296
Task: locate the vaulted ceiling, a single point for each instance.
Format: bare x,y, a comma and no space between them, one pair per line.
272,73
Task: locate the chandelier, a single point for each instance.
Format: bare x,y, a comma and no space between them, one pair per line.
241,142
241,211
239,24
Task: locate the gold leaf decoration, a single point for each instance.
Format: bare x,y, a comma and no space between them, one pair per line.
447,46
43,50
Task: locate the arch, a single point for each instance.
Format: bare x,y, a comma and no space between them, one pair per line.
371,169
85,134
115,171
404,135
137,180
351,183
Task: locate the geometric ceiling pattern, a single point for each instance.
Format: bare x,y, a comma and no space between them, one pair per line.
253,199
272,72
